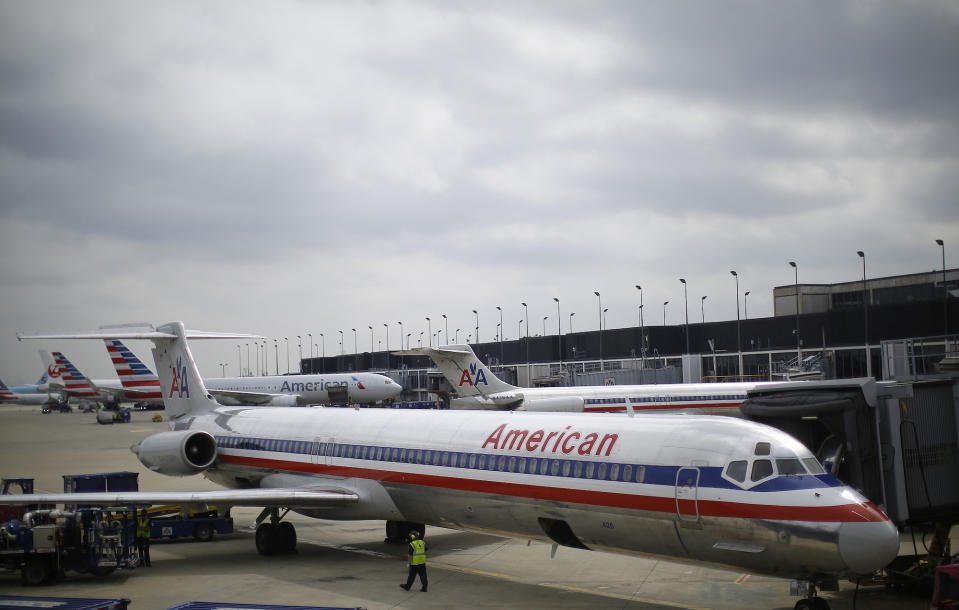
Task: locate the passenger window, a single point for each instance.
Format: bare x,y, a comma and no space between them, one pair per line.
566,467
602,471
737,470
628,473
522,465
482,462
640,474
543,465
761,469
472,462
554,468
789,466
762,449
813,465
590,467
614,472
578,470
512,464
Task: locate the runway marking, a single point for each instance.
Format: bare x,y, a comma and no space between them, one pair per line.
742,579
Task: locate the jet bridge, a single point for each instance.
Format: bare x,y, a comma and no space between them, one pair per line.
894,441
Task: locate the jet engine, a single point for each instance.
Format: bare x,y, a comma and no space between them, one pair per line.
558,403
178,453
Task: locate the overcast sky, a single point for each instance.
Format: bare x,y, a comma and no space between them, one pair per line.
287,168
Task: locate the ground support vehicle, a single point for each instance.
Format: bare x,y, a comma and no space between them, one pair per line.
174,522
46,543
62,603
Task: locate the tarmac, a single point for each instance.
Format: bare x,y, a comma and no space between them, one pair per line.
348,564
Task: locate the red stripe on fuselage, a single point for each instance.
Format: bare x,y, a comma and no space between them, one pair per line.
707,508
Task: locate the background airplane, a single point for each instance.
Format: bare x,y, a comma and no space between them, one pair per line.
32,398
33,388
478,388
751,498
275,390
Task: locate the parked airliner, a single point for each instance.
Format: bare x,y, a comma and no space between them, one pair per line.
19,398
697,488
478,388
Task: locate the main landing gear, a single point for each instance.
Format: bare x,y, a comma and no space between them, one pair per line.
399,531
274,536
808,589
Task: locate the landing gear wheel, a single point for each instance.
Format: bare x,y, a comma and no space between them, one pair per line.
266,541
286,537
203,532
812,603
35,571
399,531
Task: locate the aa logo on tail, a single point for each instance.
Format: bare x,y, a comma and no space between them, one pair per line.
476,378
180,384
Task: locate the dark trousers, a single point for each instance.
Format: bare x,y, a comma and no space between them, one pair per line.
414,570
143,548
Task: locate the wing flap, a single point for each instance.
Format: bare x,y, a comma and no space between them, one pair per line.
298,497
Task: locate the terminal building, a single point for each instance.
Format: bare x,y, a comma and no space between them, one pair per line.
818,330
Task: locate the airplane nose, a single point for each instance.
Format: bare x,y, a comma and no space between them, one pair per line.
868,546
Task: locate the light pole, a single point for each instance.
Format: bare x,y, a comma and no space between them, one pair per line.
519,329
500,310
387,331
865,312
239,360
249,373
798,340
370,326
686,303
544,324
665,303
407,340
401,334
429,331
642,330
447,323
571,321
323,345
599,300
526,311
421,339
276,355
299,342
739,347
477,326
456,337
745,305
355,350
310,335
342,351
945,292
702,307
223,369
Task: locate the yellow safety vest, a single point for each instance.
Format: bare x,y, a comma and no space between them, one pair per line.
419,553
143,528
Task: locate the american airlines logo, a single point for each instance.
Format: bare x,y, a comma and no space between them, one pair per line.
551,441
473,376
311,386
180,384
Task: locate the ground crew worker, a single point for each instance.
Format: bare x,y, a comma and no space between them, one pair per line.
416,556
143,538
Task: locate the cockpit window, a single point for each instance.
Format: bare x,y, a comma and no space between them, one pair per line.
737,470
789,466
762,448
813,465
761,470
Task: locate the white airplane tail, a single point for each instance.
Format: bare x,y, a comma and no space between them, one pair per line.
64,373
463,370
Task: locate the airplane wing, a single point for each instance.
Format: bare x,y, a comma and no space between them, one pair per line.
296,497
121,392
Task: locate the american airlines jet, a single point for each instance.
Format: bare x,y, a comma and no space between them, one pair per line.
478,388
275,390
694,488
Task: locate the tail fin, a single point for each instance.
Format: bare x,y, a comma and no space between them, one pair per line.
75,383
180,381
5,394
133,374
463,370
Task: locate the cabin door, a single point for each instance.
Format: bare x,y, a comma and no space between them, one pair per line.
322,450
687,494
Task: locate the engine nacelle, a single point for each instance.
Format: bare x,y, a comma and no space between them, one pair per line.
178,453
559,403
